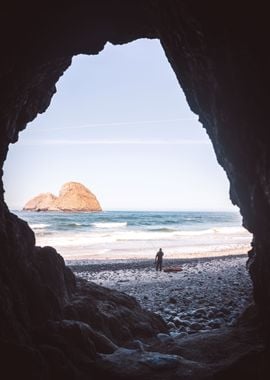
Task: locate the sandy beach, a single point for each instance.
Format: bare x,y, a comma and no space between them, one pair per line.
209,292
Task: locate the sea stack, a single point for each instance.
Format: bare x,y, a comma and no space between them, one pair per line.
73,197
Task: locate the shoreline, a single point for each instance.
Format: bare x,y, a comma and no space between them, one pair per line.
123,264
170,259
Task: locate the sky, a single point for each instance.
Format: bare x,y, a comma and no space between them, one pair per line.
119,124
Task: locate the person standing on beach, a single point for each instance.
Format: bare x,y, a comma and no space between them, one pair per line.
159,259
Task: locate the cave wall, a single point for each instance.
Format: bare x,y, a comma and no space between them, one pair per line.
219,57
218,51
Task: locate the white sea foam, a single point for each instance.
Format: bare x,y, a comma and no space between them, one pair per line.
66,241
230,230
140,244
38,226
119,236
139,235
109,225
214,230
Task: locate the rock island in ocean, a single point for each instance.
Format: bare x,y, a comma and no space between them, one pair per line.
73,196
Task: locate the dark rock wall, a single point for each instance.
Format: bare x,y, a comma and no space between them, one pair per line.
219,52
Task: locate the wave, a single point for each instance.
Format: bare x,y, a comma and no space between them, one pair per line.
111,244
168,233
162,229
214,231
43,233
109,224
104,235
75,224
188,236
229,230
38,226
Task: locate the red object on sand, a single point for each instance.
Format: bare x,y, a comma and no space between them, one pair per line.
173,269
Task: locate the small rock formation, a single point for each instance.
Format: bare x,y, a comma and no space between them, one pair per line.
73,196
41,202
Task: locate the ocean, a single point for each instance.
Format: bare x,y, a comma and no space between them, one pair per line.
138,234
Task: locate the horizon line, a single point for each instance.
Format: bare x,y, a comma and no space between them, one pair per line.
138,210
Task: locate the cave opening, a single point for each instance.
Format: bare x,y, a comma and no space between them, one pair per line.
56,325
126,98
156,177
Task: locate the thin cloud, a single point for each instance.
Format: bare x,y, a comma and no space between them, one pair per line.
120,123
115,142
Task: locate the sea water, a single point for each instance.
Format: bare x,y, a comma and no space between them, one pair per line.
137,234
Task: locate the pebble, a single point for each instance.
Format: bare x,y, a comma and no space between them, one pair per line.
177,321
185,322
171,325
182,329
199,312
215,323
210,315
167,311
195,326
204,296
220,314
172,300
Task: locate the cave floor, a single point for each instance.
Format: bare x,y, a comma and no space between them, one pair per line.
204,296
200,304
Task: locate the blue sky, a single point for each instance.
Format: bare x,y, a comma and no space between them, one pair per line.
120,124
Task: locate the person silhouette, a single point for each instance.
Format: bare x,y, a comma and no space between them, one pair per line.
159,259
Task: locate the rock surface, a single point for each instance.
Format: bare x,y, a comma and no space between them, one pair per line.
219,53
42,202
73,196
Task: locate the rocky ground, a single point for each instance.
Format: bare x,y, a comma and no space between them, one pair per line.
207,294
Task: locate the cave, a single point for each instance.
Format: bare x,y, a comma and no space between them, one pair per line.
54,325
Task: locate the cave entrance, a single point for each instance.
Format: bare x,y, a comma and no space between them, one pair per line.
120,125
